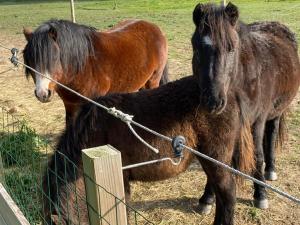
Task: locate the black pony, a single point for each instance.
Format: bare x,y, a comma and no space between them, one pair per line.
171,109
256,62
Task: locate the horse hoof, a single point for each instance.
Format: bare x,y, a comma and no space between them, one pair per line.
271,175
261,204
204,209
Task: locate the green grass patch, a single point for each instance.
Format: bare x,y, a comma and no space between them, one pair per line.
21,150
24,186
173,16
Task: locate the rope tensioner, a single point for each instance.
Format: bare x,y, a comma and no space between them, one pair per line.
177,145
14,58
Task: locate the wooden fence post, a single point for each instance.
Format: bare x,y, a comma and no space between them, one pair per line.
104,179
1,169
72,11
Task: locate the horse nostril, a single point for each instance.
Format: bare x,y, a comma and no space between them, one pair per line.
222,103
49,93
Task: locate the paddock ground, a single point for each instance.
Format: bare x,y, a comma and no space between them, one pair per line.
172,201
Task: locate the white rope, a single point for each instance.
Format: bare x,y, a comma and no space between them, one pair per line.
141,139
152,162
128,119
119,114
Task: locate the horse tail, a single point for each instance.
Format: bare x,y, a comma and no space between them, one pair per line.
282,131
246,162
244,157
64,166
165,76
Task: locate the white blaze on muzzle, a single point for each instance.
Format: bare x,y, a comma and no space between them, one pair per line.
42,86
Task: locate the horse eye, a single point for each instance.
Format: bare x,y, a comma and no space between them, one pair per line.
231,50
201,27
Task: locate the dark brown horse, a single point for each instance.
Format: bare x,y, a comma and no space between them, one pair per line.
171,109
131,56
259,63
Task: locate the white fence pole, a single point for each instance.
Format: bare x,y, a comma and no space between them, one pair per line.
72,11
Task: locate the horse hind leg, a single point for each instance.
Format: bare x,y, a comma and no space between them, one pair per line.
153,82
260,194
159,77
165,76
271,135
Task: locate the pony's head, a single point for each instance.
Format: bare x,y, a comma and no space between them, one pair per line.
215,50
58,49
42,53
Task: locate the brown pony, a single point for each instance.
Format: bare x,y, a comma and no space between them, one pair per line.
131,56
171,109
259,63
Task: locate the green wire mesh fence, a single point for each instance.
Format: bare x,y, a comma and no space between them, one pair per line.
23,167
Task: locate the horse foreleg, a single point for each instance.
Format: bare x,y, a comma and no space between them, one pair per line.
126,186
71,110
222,183
224,187
260,194
271,134
207,199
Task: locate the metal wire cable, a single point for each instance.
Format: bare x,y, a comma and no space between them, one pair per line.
128,119
152,162
5,71
3,46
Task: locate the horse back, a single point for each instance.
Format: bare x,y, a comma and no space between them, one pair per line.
129,30
131,54
271,66
276,29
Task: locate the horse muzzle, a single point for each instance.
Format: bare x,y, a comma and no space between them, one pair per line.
217,106
44,96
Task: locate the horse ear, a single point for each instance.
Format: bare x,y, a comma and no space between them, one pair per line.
232,12
53,33
27,33
197,14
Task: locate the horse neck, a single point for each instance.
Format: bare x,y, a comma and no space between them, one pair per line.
82,82
246,69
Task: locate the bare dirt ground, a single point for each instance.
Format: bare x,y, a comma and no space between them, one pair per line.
172,201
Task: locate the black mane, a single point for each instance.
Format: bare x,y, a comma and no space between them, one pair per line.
215,19
74,42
